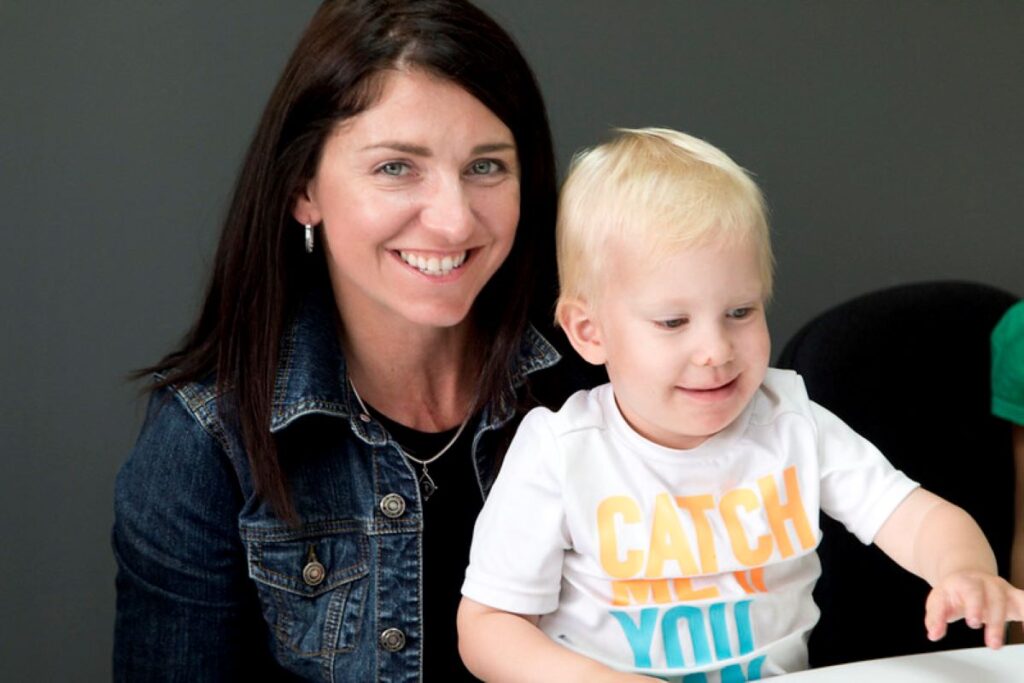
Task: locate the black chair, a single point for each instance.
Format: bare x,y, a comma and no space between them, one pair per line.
907,367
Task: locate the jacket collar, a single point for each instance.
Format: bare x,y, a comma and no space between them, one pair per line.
311,377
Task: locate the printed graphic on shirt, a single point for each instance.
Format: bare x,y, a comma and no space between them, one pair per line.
680,562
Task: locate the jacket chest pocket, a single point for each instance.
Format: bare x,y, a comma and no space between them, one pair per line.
312,590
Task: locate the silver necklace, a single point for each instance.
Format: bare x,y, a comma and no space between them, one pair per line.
427,485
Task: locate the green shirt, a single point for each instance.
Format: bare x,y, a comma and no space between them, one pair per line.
1008,365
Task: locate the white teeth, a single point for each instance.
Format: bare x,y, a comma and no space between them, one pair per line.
432,265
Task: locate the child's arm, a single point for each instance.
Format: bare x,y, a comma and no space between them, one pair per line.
500,646
942,544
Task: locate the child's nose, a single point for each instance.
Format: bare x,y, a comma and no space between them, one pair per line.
713,348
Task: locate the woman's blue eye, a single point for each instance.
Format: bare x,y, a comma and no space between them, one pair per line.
672,324
484,167
740,313
395,168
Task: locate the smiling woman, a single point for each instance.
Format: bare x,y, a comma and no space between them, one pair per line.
391,230
424,180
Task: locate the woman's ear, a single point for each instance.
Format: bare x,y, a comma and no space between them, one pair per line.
304,209
581,326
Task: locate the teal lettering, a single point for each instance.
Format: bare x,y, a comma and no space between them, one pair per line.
698,637
720,631
743,627
639,637
733,674
754,668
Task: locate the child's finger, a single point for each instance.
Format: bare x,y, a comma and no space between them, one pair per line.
1015,608
937,613
995,616
972,598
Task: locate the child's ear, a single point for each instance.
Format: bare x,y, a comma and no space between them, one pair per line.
581,327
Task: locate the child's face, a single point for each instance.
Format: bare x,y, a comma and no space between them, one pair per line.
685,339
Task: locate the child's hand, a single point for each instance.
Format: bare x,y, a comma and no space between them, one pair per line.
977,597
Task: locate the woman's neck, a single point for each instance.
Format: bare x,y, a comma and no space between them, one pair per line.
421,377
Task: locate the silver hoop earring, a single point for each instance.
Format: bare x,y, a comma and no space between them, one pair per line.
309,238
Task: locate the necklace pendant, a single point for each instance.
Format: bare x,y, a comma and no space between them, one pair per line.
427,485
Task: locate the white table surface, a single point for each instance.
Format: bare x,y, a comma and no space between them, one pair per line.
974,665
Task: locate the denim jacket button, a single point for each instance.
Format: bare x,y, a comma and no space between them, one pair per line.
392,505
392,639
313,573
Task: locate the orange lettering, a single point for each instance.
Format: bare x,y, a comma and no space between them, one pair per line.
668,542
730,504
686,592
697,506
640,592
793,510
610,509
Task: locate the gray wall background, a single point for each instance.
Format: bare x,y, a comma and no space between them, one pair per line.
887,137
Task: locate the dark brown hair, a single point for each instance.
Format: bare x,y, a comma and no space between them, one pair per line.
260,270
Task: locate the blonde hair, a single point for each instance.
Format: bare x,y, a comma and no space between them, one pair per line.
658,190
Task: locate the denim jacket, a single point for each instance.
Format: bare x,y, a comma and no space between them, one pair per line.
213,586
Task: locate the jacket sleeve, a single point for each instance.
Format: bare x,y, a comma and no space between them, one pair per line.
186,609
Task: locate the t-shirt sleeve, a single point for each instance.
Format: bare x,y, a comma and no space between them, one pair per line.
1008,365
515,562
859,487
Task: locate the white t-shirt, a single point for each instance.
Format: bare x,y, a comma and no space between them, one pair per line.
669,562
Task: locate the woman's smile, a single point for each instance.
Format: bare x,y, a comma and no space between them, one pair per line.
434,264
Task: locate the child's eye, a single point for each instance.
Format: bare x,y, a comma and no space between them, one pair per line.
485,167
740,313
394,168
671,323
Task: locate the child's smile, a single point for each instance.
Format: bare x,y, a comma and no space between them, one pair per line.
711,394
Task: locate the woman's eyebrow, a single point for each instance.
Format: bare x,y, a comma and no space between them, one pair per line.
494,147
420,151
404,147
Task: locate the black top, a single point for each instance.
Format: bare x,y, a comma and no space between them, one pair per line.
448,518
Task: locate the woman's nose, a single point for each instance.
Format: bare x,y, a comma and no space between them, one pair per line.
447,210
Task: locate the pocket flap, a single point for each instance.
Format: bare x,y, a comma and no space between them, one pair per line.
344,557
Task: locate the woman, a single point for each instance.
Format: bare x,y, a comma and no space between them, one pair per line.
301,497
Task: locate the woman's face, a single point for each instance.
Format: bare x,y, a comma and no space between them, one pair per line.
419,200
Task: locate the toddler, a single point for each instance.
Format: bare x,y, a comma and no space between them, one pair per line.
665,524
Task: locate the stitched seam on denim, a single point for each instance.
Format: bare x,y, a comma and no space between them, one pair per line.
334,622
536,353
283,372
312,530
371,433
284,621
332,632
419,604
308,406
321,652
411,526
282,624
378,564
198,402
